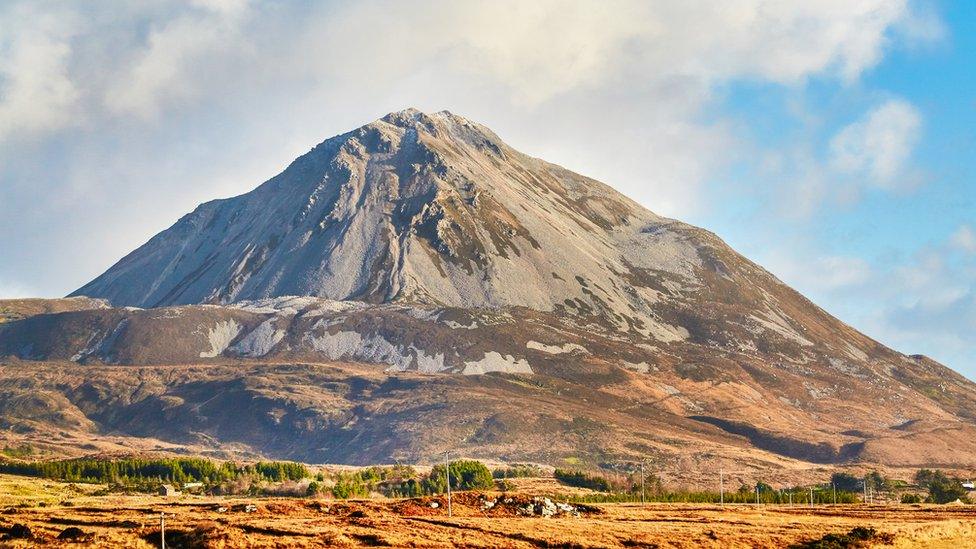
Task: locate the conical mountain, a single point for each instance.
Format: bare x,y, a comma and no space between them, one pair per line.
422,242
416,208
436,209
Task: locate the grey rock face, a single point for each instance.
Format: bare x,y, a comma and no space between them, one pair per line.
431,209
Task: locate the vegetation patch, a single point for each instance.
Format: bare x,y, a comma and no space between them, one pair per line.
149,473
941,487
859,536
519,470
404,481
632,489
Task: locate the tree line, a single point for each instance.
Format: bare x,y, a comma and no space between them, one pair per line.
405,481
136,471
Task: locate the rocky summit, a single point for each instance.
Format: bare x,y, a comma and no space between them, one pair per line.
417,285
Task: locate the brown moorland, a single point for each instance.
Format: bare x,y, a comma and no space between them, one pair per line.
71,513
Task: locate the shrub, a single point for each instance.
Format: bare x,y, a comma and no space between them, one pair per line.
859,536
465,475
519,470
911,498
395,481
505,485
946,490
580,479
846,482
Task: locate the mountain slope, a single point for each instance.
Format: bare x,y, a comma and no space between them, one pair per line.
425,244
437,210
419,208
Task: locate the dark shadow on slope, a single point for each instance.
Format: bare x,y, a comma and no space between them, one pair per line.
786,446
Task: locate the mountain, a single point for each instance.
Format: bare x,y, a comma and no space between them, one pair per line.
591,328
418,208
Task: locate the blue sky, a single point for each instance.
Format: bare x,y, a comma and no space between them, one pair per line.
831,141
903,256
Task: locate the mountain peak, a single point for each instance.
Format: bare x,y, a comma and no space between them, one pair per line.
411,115
405,117
429,208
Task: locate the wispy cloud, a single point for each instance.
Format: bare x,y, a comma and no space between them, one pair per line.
964,239
879,145
924,302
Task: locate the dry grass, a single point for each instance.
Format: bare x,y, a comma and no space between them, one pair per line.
48,508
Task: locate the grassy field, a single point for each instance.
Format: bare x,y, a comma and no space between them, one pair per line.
49,509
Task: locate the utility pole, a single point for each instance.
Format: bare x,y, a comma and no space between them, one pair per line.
162,531
834,486
447,468
811,496
865,490
642,482
721,487
757,493
791,497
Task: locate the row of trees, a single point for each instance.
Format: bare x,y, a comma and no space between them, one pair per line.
939,487
632,489
257,478
580,479
519,470
137,471
843,488
404,481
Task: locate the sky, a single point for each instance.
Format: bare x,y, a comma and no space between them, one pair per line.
831,141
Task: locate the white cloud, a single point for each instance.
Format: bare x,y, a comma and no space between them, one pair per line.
880,144
36,92
924,302
539,50
172,102
164,72
965,239
801,267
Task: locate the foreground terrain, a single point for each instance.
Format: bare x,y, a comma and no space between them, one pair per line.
77,513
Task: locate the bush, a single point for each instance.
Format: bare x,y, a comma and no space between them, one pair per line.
395,481
465,475
846,482
519,470
911,498
946,490
580,479
859,536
